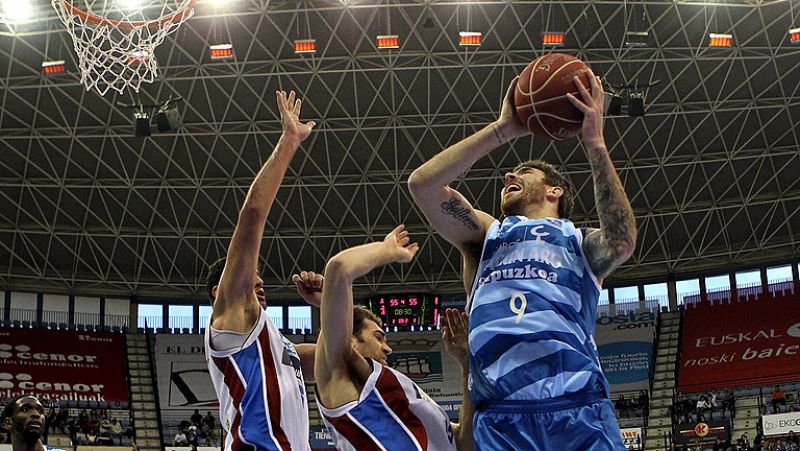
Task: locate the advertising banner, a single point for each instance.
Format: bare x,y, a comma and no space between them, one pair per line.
421,357
632,438
60,365
703,432
745,343
321,438
183,381
625,344
780,423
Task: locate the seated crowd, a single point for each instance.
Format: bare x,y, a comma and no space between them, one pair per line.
698,407
198,430
632,406
89,427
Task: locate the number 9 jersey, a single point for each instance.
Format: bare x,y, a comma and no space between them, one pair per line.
532,314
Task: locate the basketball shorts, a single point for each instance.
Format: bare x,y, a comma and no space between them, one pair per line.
572,423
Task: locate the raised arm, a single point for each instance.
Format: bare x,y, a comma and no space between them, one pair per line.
335,356
454,335
449,212
236,305
615,241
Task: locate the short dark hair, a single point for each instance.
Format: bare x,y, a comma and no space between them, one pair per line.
554,177
8,410
362,314
214,274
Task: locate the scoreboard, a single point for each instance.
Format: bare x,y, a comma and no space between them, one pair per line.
406,310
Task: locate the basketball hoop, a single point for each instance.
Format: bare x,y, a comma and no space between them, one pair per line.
116,39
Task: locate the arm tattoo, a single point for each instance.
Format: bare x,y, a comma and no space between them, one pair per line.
610,248
454,208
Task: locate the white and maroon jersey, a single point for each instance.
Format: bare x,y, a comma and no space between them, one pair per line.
392,414
262,399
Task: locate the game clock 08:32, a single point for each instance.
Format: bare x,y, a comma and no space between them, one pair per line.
405,311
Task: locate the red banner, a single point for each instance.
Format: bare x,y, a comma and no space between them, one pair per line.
63,365
745,343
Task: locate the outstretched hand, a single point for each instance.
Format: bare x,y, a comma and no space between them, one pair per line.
509,125
399,245
454,335
309,286
289,107
591,105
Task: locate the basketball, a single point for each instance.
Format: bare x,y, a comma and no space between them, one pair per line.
540,97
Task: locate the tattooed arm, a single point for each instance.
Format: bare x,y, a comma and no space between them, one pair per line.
450,213
614,242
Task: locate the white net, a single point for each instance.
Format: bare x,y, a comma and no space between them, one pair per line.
116,39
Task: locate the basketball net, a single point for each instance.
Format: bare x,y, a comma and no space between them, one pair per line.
116,39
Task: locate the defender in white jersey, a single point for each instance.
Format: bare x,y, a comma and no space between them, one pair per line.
257,373
534,281
367,405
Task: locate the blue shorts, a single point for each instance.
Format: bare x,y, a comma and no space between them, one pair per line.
571,423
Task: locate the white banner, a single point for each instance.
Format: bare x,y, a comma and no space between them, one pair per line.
625,344
183,381
780,423
632,437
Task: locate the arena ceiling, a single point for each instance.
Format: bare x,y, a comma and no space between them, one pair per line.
85,207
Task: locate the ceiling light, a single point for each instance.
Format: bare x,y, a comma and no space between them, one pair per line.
17,9
794,35
220,51
388,41
305,46
720,40
469,38
552,39
636,38
54,67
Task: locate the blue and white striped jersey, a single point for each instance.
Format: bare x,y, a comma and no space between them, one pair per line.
532,314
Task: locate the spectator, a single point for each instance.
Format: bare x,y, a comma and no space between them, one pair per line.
622,406
209,421
718,445
712,405
793,439
758,442
702,406
778,398
5,431
744,441
196,418
644,403
729,403
180,439
192,436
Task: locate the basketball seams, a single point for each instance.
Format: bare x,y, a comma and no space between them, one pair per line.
549,78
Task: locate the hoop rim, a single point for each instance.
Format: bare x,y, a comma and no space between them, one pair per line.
177,16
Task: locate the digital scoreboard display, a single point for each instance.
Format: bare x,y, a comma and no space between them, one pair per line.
406,310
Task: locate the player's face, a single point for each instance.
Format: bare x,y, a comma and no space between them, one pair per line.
371,342
522,188
28,419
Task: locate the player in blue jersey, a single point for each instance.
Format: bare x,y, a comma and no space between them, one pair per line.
534,280
27,423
